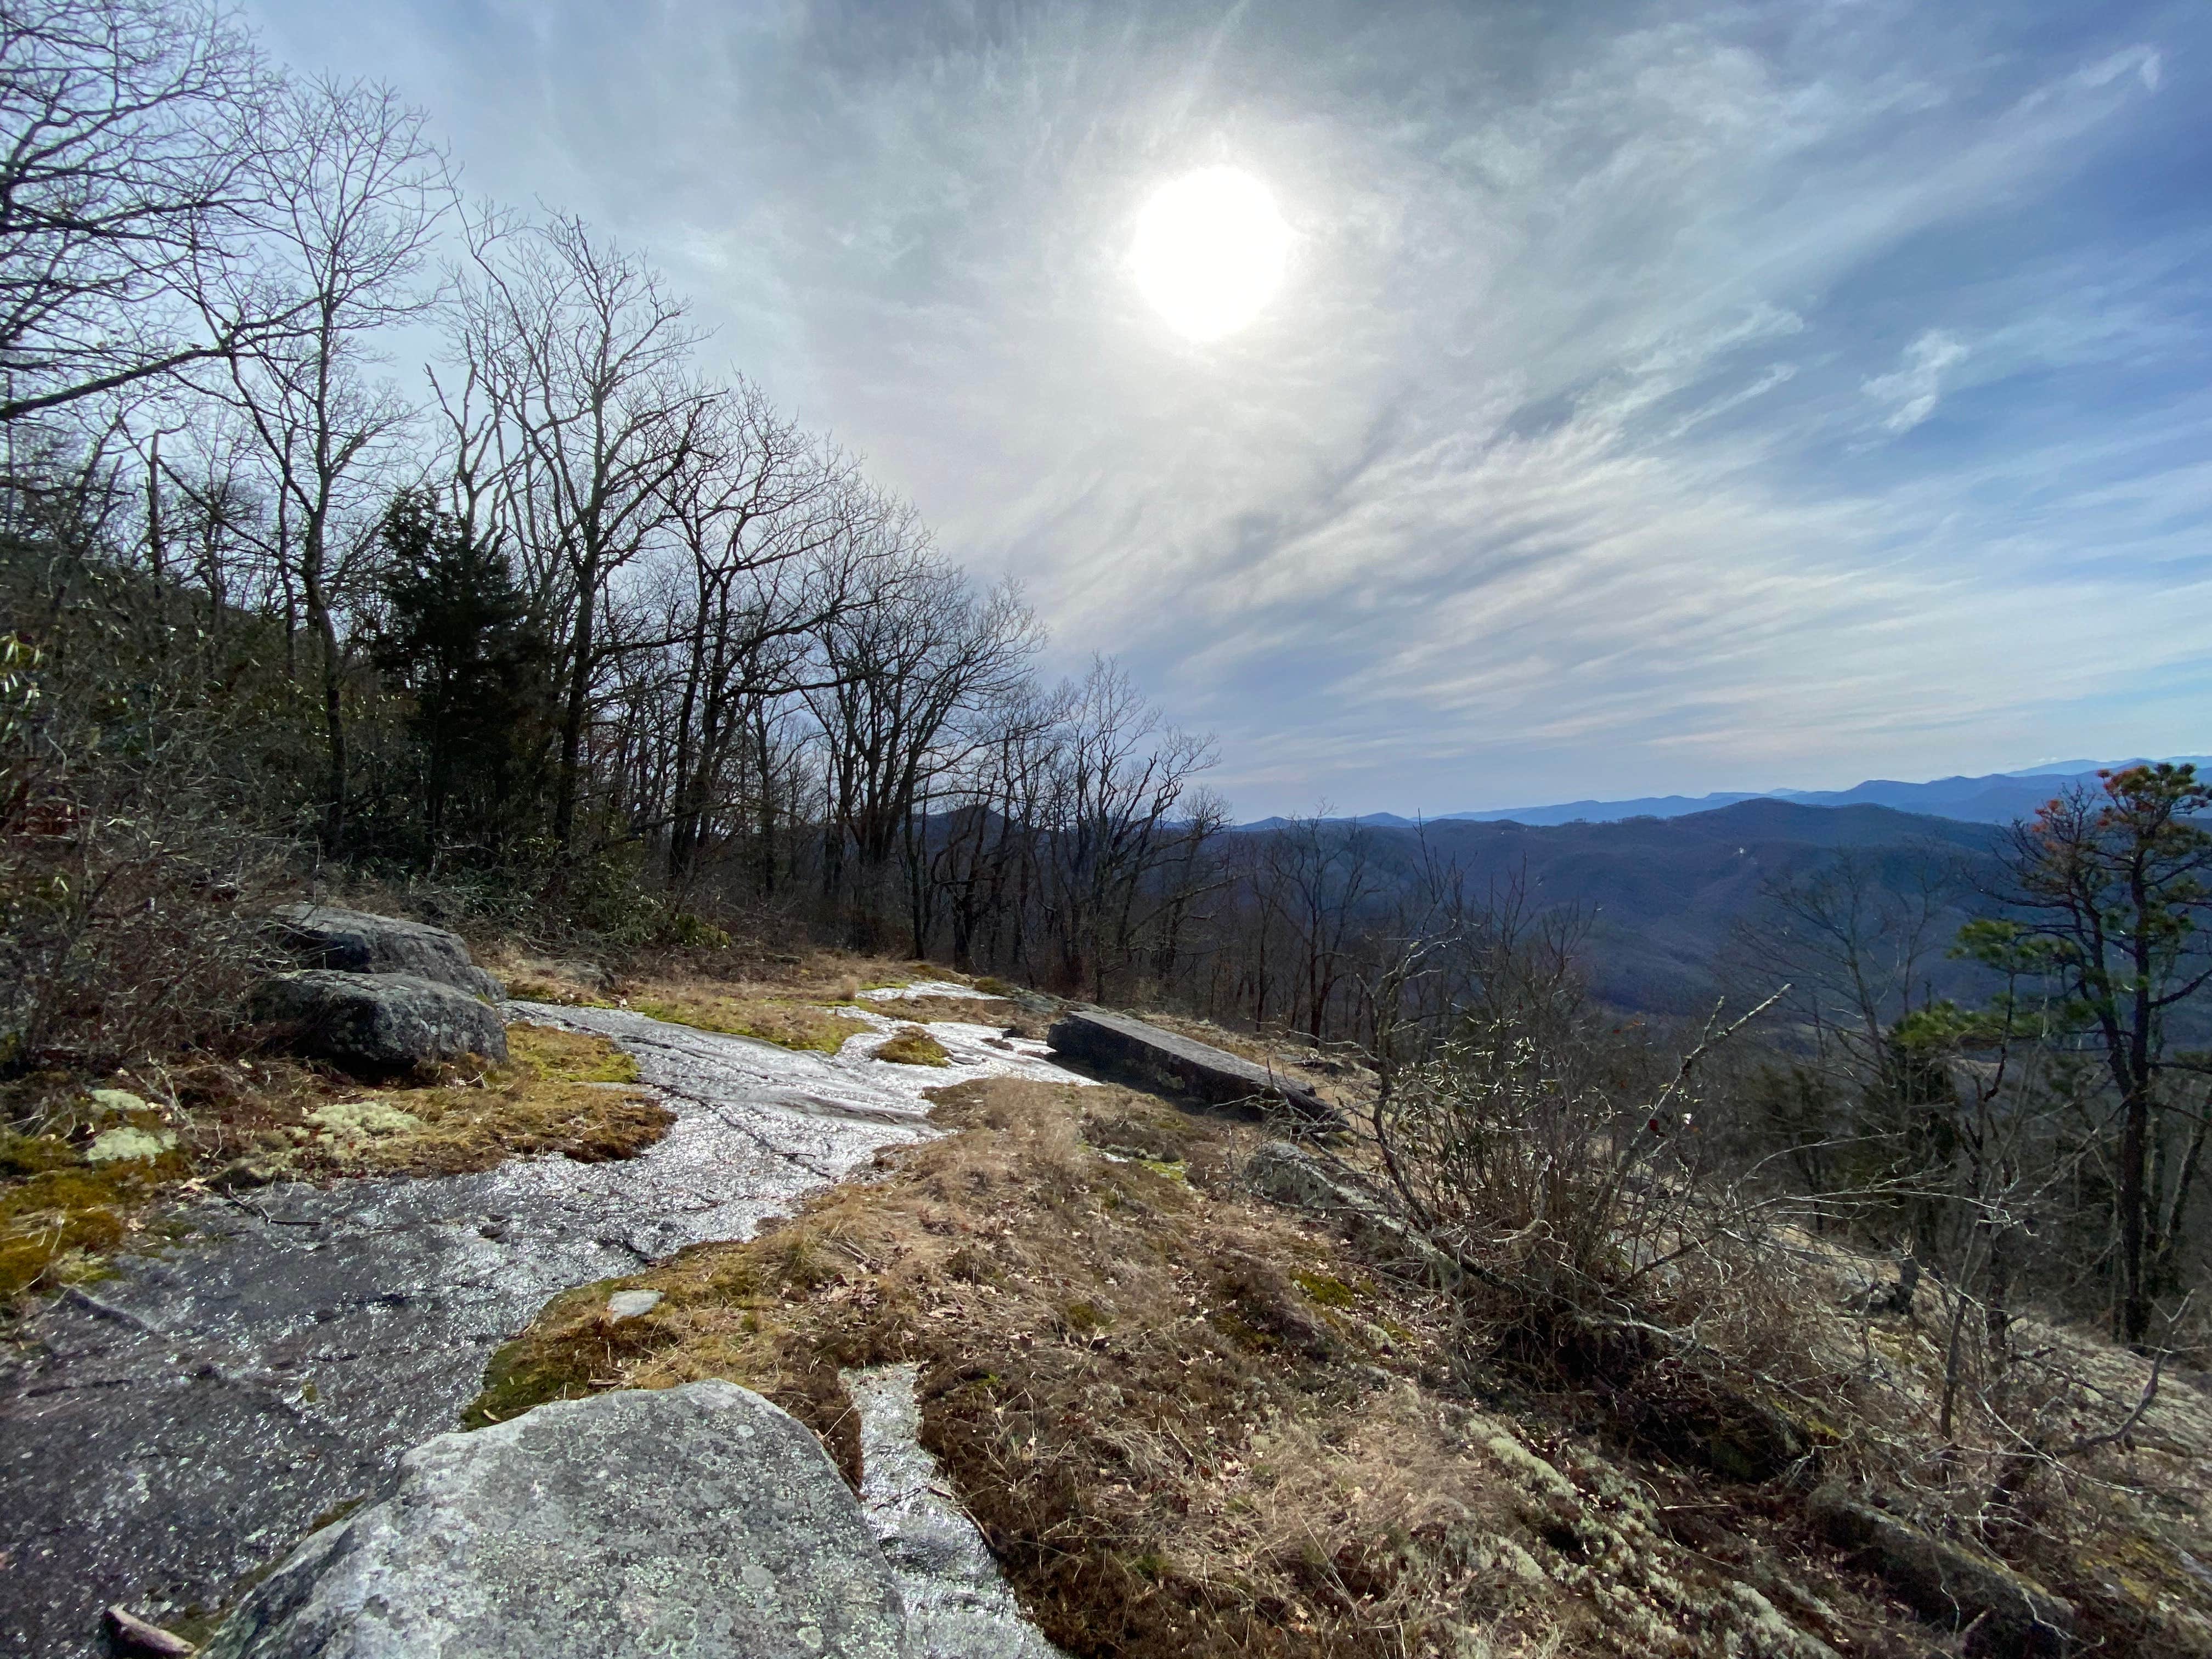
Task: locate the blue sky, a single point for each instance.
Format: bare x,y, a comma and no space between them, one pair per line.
1660,398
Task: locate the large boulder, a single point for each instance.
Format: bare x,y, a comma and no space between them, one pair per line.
355,942
381,1021
699,1520
1141,1053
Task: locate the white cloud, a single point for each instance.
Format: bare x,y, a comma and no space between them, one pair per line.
1550,457
1916,385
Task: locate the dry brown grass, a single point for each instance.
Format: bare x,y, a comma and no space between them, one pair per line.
783,1021
782,1003
1187,1423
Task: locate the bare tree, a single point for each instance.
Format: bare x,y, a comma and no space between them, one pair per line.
775,532
1124,802
572,413
131,150
356,190
909,671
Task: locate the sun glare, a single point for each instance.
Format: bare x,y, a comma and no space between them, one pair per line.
1210,252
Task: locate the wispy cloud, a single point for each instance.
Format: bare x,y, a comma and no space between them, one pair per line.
1914,391
1575,455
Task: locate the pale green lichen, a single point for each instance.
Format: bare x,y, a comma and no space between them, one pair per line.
361,1119
1531,1470
114,1145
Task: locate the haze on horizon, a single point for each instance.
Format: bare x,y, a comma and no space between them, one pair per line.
1656,400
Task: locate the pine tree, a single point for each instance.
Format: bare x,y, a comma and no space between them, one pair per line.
457,640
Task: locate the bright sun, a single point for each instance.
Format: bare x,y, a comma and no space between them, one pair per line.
1210,251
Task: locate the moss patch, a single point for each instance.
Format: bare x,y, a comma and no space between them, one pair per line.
524,1373
910,1045
560,1091
56,1225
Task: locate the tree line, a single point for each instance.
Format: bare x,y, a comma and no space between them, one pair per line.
582,624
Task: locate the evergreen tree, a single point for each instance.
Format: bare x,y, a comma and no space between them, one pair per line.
457,640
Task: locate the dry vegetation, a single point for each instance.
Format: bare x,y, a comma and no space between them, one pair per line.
228,1123
778,1002
910,1045
1189,1425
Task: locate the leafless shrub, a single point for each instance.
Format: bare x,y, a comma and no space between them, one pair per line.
127,892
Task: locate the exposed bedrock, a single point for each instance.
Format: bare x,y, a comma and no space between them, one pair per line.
1138,1052
699,1520
2006,1615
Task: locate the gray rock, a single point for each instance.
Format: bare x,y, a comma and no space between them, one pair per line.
2008,1613
1121,1046
957,1605
699,1520
384,1021
173,1430
629,1304
355,942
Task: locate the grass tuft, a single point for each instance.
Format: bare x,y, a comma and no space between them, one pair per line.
910,1045
786,1024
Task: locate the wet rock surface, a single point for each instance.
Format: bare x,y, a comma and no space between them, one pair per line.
356,942
167,1430
957,1605
384,1022
699,1520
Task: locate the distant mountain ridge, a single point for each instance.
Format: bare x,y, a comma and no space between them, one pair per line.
1996,798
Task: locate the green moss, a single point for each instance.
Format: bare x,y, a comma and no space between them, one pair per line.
555,1056
1329,1292
1245,1335
360,1120
531,1371
913,1046
30,1155
1083,1317
56,1224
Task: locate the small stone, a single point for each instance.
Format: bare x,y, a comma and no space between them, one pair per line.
115,1146
129,1634
629,1304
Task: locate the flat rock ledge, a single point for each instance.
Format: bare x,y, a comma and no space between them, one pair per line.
2007,1616
383,1021
699,1520
1130,1049
356,942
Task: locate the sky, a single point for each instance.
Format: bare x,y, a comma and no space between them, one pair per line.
1659,399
